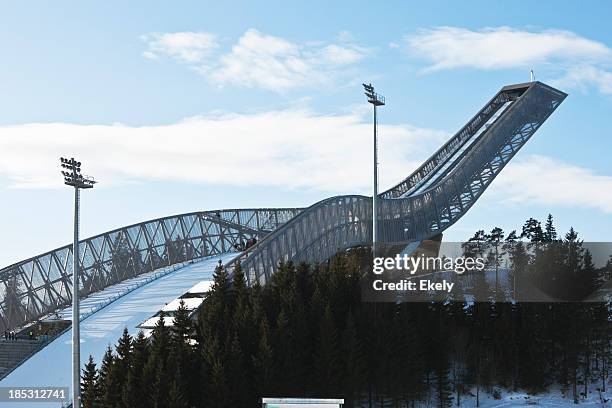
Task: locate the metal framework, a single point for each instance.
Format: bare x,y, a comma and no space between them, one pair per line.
40,285
423,205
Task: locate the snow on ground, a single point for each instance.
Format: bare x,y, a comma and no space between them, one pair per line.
52,365
553,398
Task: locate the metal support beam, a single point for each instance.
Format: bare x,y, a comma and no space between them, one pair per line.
36,287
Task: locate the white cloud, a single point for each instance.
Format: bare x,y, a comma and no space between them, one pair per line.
182,46
552,182
269,62
341,54
264,61
293,149
583,76
289,149
502,47
259,60
578,60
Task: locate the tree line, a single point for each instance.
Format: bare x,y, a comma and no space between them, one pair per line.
539,264
307,333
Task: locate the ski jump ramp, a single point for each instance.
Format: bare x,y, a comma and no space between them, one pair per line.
424,204
421,206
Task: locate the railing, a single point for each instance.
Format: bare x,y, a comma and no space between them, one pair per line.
448,149
317,233
342,222
41,285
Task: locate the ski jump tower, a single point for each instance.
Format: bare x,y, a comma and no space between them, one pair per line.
420,207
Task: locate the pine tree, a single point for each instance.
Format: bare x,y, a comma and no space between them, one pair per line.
243,325
236,374
550,232
301,346
156,373
160,337
532,230
402,367
512,237
216,315
475,246
603,341
354,376
90,393
283,352
219,385
414,365
159,387
589,275
182,353
176,398
263,360
182,327
239,288
304,281
442,382
134,392
571,266
519,262
327,353
123,360
495,239
533,363
105,369
109,384
178,378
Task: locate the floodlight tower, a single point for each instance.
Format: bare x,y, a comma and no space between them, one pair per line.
73,177
376,100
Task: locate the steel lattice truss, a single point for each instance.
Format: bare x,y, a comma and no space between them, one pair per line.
423,205
38,286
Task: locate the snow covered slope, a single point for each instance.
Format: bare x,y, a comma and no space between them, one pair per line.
52,365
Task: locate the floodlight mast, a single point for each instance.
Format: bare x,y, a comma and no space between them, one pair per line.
74,178
376,100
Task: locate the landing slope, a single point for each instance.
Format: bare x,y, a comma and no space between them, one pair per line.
52,365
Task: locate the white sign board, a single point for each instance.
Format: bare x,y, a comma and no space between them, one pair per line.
301,403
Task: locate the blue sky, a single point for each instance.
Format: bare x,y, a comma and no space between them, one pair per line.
203,106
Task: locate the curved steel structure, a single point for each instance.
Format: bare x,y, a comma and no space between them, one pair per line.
40,285
423,205
427,202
